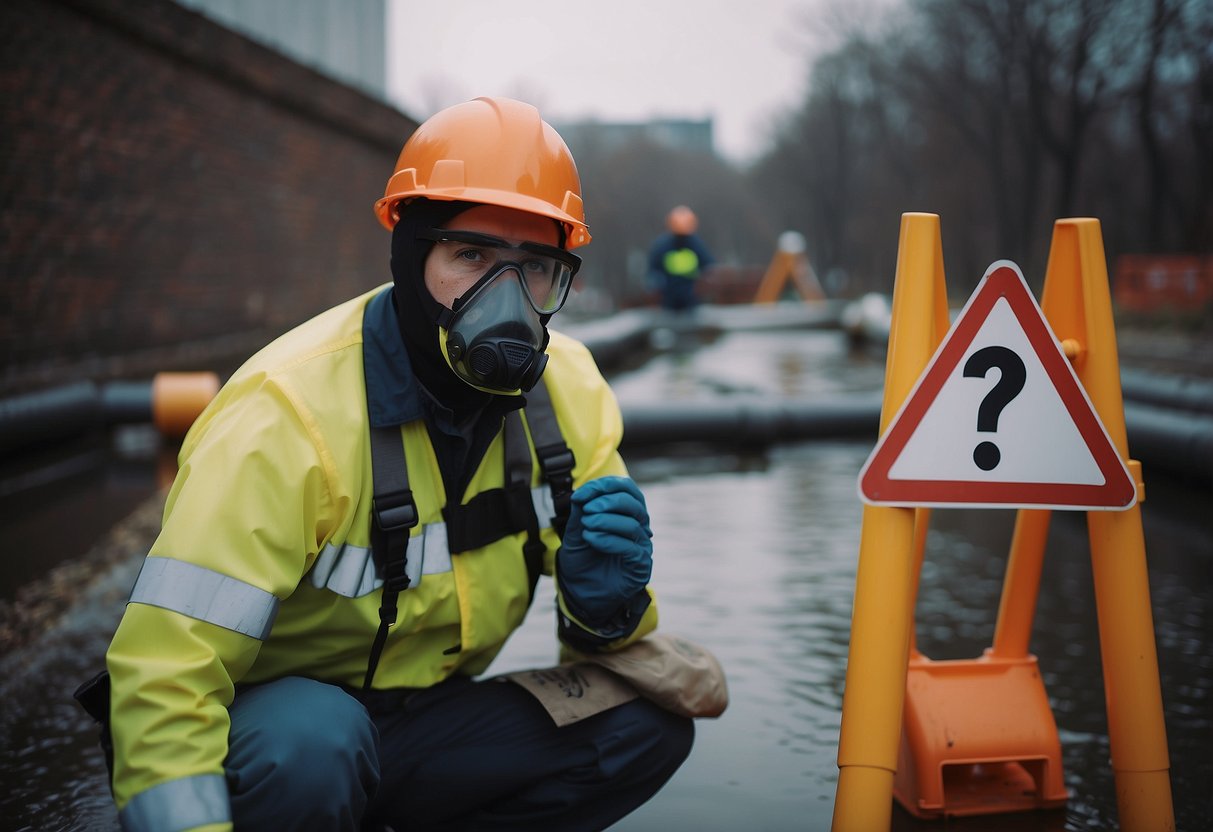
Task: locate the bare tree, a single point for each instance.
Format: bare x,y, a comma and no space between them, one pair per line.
1196,43
1002,116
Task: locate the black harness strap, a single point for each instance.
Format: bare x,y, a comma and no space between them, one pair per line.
393,514
493,514
487,517
556,459
519,468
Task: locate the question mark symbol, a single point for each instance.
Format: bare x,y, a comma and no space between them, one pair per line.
1008,386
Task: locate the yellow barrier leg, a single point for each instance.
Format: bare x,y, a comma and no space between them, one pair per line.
1078,305
1021,586
887,574
922,524
876,671
1136,729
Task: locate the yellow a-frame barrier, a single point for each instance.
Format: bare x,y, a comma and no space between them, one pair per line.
1077,303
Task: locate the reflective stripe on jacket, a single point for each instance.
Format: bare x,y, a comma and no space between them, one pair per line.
263,566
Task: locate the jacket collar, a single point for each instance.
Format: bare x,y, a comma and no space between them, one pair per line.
393,395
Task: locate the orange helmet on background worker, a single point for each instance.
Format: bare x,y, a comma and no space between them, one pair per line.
682,221
676,260
492,151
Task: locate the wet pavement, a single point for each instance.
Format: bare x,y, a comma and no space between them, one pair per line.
755,557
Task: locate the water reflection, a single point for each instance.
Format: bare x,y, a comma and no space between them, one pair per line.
53,771
755,557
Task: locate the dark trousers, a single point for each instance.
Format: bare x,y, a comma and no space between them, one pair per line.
678,294
462,755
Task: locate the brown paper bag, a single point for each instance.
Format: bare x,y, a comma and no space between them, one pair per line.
675,673
570,692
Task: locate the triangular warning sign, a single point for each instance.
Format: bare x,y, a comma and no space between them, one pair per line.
998,418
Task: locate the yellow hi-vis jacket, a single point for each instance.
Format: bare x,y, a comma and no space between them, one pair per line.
263,568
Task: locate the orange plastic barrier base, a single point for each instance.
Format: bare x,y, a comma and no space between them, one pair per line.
978,738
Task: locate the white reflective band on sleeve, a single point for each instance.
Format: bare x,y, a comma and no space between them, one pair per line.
177,805
205,595
349,570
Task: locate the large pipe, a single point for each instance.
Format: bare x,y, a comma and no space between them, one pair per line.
745,422
48,414
1177,439
1161,390
1179,443
171,401
1174,441
615,339
630,335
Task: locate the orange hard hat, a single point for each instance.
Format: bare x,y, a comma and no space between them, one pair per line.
493,151
682,220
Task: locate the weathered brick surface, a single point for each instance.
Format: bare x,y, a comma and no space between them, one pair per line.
171,193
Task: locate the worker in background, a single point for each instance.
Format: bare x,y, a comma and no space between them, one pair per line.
358,524
677,259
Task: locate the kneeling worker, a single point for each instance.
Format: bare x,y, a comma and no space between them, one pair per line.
358,524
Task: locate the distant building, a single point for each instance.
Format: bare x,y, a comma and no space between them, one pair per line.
677,134
346,41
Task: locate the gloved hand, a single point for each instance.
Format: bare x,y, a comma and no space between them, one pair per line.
607,554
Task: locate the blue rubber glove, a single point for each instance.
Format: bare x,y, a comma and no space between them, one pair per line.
606,557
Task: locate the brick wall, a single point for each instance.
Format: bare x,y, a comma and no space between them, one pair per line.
172,194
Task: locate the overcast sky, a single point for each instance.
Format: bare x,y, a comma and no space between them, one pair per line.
740,62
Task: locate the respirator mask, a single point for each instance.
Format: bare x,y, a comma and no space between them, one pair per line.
494,335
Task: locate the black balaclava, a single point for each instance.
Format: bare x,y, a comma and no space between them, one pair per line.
418,312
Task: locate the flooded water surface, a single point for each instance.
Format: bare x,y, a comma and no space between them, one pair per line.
755,558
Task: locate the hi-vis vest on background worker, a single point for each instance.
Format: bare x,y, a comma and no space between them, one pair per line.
282,553
678,258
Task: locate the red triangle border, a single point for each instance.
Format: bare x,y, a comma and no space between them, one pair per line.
1118,490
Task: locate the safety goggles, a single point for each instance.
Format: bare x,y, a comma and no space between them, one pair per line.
547,271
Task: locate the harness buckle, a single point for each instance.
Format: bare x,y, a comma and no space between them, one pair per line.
395,583
557,464
395,510
556,460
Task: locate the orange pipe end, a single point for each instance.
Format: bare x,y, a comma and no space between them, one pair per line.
178,399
